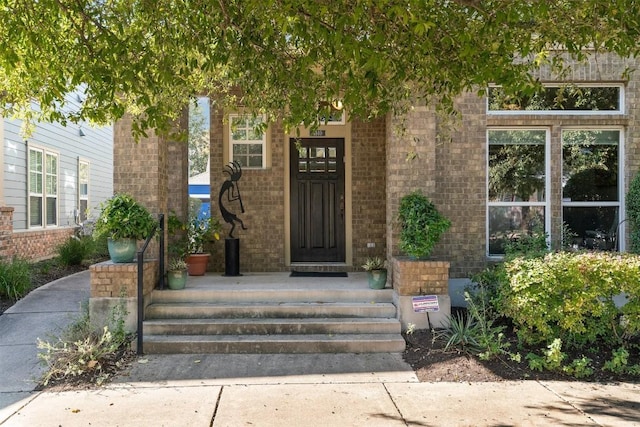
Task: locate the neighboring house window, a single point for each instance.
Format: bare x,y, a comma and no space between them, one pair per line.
591,188
43,188
566,99
83,189
517,185
248,140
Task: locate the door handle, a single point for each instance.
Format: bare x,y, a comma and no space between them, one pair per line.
341,205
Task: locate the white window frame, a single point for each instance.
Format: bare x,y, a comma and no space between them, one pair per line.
620,203
620,110
547,182
44,175
83,197
262,141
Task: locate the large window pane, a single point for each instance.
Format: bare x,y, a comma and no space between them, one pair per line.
590,165
52,211
593,228
517,165
35,211
510,223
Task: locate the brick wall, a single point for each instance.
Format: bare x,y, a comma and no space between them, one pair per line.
411,152
411,278
460,163
109,280
368,189
31,245
262,191
461,187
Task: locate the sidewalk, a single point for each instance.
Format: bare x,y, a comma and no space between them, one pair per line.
276,390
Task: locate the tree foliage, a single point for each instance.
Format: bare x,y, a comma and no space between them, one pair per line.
148,58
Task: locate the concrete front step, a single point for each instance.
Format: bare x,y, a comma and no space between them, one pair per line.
272,313
268,310
342,343
245,295
271,326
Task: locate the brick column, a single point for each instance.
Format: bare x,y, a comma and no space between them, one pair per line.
6,230
412,165
154,170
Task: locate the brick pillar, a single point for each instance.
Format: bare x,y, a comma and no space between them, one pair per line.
411,163
154,170
6,231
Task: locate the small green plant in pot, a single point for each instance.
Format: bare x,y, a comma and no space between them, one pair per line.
123,221
376,269
421,225
177,273
201,229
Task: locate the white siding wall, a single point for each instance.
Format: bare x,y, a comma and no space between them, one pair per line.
96,147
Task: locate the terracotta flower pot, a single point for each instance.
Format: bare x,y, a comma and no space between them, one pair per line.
197,264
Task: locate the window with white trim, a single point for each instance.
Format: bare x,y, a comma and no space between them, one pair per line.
43,188
248,140
517,185
83,189
591,188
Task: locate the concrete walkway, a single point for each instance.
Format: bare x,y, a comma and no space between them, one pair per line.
276,390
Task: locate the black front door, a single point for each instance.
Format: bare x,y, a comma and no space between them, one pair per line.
317,200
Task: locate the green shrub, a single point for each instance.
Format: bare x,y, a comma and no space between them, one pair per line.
570,297
75,250
633,214
100,247
15,278
122,217
531,245
421,225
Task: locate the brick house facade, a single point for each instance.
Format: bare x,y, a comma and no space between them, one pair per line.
448,161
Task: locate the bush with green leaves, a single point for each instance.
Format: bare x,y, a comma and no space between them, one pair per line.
569,296
122,217
75,250
421,225
633,214
15,278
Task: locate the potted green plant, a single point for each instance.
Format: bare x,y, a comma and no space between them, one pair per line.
200,230
376,269
123,221
421,225
177,273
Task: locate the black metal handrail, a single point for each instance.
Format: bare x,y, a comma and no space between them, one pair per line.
159,226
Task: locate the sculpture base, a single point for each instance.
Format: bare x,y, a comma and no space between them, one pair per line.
232,257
